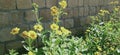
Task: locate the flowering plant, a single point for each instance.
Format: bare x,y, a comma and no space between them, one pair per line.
57,41
101,38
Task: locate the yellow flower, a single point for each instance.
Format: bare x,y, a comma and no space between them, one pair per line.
56,20
65,31
32,34
30,53
15,31
116,9
97,53
103,12
58,32
63,4
99,48
54,10
38,27
111,48
54,26
87,30
79,53
114,2
25,34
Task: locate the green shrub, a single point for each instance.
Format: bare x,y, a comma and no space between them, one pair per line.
103,35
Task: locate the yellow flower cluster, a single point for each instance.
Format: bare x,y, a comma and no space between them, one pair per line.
15,31
117,8
103,12
30,34
30,53
65,31
59,32
112,48
99,48
63,4
87,31
54,11
97,53
24,34
62,30
54,26
114,2
38,27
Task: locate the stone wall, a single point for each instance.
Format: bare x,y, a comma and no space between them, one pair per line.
19,13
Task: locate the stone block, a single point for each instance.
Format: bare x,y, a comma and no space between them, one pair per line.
50,3
98,9
88,20
77,22
75,12
103,7
80,2
24,27
107,2
45,13
86,10
62,22
82,21
7,4
14,45
16,17
93,2
30,16
5,35
69,13
4,19
24,4
47,25
72,3
86,2
100,2
81,11
92,11
69,23
41,3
